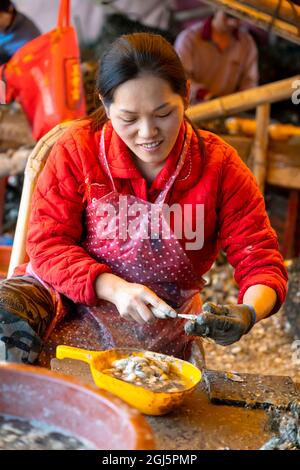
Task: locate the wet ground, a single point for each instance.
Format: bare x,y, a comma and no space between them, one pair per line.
198,424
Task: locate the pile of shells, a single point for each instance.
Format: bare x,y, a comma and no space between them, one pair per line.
286,427
146,371
292,302
14,128
220,287
13,162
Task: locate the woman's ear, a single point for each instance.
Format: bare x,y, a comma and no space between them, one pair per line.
188,93
104,106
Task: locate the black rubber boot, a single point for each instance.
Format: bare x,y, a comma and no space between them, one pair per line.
18,341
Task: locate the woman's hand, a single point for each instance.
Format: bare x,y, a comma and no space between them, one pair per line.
225,324
133,301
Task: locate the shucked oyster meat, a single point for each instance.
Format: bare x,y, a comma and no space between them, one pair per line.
147,371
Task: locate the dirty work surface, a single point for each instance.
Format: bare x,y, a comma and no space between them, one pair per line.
197,424
268,349
251,390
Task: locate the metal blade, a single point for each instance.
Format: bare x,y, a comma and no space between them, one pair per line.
188,317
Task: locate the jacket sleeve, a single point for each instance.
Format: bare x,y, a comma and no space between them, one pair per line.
55,229
245,232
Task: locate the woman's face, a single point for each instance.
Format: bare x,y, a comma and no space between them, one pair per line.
147,115
5,20
225,23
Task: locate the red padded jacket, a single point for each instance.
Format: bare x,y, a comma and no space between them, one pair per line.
234,210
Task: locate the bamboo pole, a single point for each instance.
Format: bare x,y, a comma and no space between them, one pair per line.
260,145
287,12
243,100
277,131
260,19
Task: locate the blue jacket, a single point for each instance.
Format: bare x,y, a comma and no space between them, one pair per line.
21,31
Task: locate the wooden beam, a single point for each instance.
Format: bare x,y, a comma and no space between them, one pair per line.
243,100
3,182
283,159
260,145
289,240
284,163
245,126
261,19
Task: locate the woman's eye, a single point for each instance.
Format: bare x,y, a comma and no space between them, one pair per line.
164,115
128,120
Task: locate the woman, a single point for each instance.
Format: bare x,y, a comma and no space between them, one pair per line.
100,225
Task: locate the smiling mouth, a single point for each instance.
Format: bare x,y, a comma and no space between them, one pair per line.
152,145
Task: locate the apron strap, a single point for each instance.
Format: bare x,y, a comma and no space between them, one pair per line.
103,157
186,145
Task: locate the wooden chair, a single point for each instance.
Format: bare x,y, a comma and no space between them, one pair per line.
81,330
2,201
35,164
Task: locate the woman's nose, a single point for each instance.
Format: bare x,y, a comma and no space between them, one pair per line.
147,129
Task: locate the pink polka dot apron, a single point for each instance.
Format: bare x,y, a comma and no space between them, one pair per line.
141,248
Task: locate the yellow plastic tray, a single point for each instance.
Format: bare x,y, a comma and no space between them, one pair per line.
147,401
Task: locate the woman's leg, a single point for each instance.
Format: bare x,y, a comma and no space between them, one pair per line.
26,309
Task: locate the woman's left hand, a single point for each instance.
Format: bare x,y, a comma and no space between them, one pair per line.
225,324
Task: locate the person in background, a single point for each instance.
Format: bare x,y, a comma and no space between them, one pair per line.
219,58
15,30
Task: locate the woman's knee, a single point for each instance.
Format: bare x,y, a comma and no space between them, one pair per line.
26,309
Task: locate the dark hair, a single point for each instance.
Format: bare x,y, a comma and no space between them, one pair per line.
6,5
129,57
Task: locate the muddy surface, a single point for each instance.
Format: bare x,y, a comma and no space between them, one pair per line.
199,424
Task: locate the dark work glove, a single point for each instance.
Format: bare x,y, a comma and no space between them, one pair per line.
225,324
